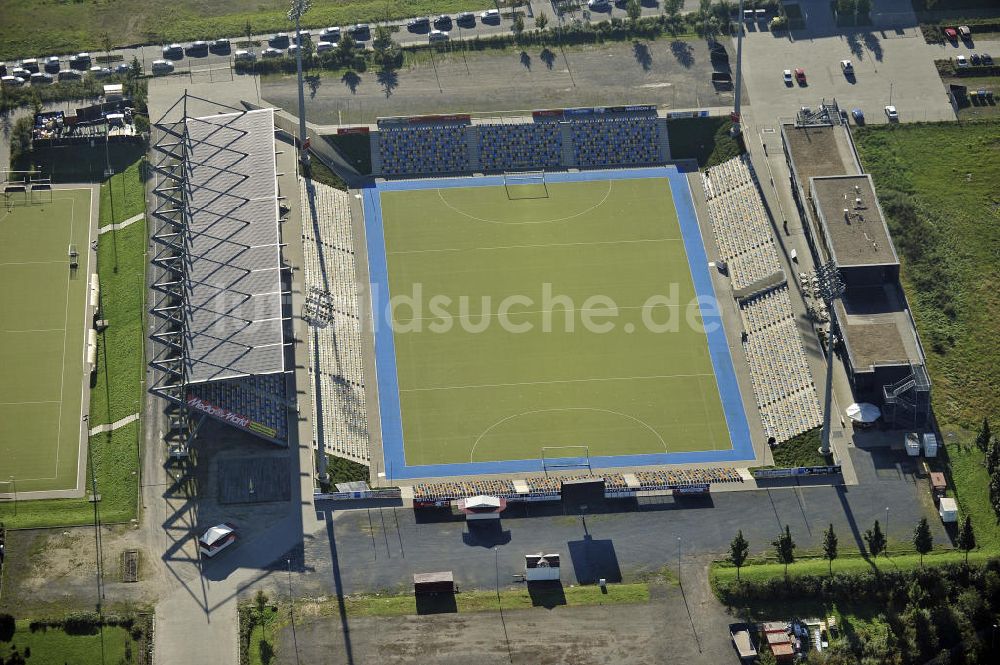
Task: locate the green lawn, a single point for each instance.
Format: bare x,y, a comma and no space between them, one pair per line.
121,264
42,339
547,365
706,140
355,149
35,29
115,461
723,573
801,450
54,646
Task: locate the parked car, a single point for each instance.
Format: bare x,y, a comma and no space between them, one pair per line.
443,22
360,31
11,81
100,72
323,47
961,60
965,33
847,67
3,69
31,64
331,34
466,19
123,68
976,60
800,76
599,5
80,61
41,78
951,34
437,36
271,52
718,53
52,64
987,58
304,35
70,75
216,539
21,73
490,16
294,49
419,24
220,46
279,41
244,55
161,67
786,75
172,52
859,116
198,49
891,114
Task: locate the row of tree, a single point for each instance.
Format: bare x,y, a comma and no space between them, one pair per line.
875,540
989,445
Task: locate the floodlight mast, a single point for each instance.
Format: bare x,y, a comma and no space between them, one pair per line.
830,287
739,69
300,7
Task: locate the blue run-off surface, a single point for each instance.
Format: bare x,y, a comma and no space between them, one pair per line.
385,352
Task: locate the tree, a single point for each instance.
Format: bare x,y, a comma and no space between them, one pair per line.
541,20
984,436
738,551
862,7
387,52
845,7
830,546
634,11
966,539
107,44
875,540
135,69
518,24
923,541
993,456
672,8
345,48
784,549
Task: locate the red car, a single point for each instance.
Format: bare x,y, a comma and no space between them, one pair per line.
800,76
951,34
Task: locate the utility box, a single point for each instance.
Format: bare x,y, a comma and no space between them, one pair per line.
939,485
930,444
912,444
948,510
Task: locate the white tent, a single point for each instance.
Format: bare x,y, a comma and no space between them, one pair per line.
482,502
863,412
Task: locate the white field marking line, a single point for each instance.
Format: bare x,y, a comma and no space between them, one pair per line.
542,221
554,244
704,407
34,330
557,381
570,408
560,311
48,401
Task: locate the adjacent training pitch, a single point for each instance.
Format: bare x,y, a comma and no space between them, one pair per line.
42,331
592,335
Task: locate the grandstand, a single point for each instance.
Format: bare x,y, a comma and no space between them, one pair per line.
221,331
340,424
552,139
779,370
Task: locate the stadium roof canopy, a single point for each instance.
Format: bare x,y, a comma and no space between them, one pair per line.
232,282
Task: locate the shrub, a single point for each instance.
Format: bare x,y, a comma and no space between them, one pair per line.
7,627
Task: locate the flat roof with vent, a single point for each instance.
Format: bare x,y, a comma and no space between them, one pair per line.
233,316
859,236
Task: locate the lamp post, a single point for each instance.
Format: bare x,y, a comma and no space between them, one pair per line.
830,288
13,485
300,7
678,558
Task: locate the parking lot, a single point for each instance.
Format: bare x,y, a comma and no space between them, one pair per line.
671,74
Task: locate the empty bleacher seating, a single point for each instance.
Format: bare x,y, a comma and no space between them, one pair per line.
260,398
616,140
420,149
336,372
520,146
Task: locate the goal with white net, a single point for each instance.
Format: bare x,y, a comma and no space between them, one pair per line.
525,185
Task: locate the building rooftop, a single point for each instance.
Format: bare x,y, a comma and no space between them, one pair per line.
233,313
877,328
820,151
860,236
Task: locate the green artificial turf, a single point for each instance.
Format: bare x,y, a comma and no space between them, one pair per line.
42,339
475,389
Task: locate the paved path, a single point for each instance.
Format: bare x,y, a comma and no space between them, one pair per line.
110,427
121,225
